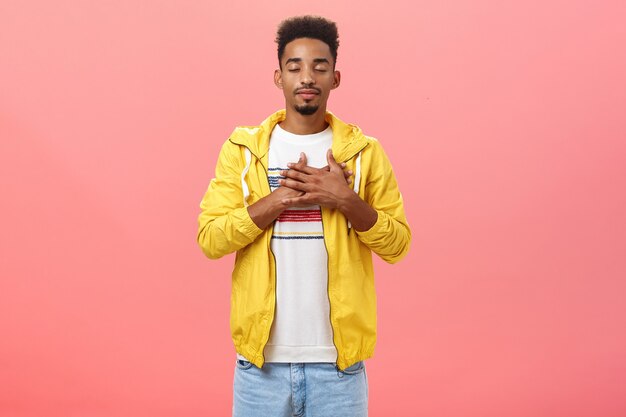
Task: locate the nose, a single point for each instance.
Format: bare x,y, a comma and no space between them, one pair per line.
307,77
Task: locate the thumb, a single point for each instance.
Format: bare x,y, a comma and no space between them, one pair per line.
332,164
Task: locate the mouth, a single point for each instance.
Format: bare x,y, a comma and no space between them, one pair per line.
307,93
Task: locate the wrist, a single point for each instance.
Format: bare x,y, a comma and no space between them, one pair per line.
360,214
347,204
266,210
275,204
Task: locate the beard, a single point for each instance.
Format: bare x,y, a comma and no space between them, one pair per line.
306,109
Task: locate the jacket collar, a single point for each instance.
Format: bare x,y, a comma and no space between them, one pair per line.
348,140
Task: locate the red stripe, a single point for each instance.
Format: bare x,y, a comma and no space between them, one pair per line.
297,220
300,217
301,212
290,218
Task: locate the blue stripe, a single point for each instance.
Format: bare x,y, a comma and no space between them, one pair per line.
274,181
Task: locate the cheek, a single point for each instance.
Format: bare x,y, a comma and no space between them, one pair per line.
289,85
330,83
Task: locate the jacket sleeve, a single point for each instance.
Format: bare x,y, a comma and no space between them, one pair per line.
390,236
224,224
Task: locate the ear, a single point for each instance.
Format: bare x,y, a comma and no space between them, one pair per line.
336,79
278,78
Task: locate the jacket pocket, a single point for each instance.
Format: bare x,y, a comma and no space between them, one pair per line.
354,369
243,364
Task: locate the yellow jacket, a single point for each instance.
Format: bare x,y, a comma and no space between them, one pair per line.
224,226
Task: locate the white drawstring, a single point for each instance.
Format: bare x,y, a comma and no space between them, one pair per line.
357,174
357,178
244,185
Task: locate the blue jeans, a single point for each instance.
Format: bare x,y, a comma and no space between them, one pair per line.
299,389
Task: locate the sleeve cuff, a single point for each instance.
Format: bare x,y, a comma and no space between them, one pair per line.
375,229
250,228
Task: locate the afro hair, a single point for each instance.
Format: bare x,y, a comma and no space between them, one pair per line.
314,27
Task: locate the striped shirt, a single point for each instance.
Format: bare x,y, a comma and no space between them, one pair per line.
301,330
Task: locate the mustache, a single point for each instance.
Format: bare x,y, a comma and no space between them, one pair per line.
307,88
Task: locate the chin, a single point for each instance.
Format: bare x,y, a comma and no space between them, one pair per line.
306,109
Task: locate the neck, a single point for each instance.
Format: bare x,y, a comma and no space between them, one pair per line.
300,124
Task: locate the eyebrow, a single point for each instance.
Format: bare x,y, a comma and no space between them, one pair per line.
316,60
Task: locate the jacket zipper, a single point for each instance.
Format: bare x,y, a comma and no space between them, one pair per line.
269,248
330,315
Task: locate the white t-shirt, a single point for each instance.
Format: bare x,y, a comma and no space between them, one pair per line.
301,330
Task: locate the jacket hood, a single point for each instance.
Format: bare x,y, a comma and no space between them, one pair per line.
348,139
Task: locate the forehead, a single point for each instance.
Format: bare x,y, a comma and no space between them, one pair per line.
307,49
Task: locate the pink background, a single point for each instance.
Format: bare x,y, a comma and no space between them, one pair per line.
505,123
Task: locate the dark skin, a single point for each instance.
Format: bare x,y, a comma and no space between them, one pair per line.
306,77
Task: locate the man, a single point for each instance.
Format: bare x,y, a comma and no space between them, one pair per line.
303,198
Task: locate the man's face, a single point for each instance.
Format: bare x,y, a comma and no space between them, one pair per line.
307,75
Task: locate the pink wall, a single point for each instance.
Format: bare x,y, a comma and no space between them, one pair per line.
505,124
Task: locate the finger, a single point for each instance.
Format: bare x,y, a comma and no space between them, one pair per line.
295,201
294,185
293,174
303,168
342,165
331,161
291,195
302,161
